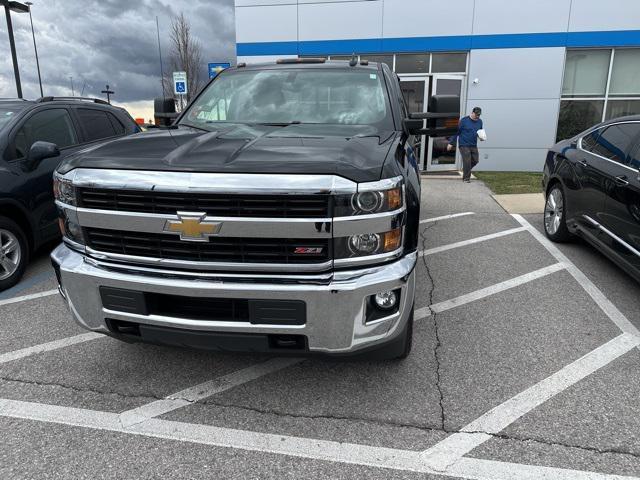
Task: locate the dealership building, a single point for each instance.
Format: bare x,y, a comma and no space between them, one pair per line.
541,70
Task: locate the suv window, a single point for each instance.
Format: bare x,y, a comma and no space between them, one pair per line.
117,125
99,124
614,141
53,125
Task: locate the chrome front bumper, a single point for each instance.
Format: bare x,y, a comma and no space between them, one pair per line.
335,320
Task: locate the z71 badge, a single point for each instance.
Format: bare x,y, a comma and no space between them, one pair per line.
308,250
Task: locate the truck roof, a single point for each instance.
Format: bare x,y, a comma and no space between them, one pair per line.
297,63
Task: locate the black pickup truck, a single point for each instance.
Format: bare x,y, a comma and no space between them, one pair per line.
280,213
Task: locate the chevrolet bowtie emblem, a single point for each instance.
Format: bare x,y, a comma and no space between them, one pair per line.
192,227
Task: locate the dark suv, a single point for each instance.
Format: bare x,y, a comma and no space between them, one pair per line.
592,184
34,137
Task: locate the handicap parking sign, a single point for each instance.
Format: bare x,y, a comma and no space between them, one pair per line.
180,83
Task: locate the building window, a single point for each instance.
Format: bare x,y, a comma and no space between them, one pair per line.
410,63
413,63
599,84
448,62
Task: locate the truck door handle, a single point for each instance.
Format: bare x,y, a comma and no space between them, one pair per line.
583,162
622,180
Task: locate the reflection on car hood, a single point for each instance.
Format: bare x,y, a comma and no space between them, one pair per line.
354,152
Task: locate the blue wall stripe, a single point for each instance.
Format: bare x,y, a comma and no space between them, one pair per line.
620,38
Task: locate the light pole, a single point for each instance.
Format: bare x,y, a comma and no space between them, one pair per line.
33,33
16,7
109,93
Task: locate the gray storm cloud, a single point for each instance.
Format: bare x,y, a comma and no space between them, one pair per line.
108,42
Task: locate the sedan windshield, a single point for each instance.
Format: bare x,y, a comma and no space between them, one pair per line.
283,97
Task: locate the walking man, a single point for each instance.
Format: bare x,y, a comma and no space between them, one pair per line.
467,138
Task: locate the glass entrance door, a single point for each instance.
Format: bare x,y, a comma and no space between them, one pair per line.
438,158
415,91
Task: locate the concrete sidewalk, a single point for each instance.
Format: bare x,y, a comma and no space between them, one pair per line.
523,203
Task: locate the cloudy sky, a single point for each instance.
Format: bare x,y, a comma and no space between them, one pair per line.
114,42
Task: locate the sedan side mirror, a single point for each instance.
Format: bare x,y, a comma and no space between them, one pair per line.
38,152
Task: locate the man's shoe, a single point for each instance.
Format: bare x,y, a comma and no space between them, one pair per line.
467,181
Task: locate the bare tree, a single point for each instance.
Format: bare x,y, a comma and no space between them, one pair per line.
185,56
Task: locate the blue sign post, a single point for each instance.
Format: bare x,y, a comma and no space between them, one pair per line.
216,68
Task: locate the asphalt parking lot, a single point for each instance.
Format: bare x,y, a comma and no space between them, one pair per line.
525,365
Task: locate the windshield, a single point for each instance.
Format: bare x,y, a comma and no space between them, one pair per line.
6,115
279,96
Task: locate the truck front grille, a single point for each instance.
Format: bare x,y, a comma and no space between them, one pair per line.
217,249
215,205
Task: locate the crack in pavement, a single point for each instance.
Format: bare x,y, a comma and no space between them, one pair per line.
81,390
381,423
435,324
551,443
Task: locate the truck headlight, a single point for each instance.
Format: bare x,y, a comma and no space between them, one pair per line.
365,244
63,190
371,198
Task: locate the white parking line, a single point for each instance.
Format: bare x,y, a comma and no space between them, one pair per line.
497,419
471,241
308,448
199,392
22,298
47,347
594,292
485,292
446,217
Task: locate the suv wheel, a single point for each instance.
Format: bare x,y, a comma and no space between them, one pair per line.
14,253
555,219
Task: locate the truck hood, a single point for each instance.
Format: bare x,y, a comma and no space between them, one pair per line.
354,152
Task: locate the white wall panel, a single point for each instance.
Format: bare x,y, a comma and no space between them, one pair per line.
512,159
253,59
253,3
427,18
509,16
516,73
589,15
518,123
339,21
277,23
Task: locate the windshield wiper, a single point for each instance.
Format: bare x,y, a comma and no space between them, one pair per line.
278,124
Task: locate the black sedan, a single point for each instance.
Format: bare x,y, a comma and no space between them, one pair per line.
592,187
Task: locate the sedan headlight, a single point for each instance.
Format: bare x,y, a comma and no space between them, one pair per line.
63,190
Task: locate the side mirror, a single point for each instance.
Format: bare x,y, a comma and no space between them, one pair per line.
441,119
38,152
164,111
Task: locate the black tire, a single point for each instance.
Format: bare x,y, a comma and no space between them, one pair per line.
10,229
555,215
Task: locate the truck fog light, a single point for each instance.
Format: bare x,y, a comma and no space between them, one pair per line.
386,300
364,244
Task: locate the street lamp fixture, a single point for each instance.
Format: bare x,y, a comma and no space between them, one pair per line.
16,7
35,48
